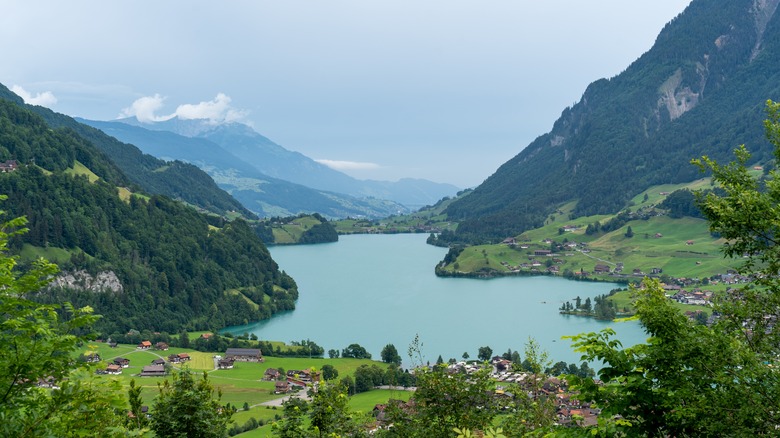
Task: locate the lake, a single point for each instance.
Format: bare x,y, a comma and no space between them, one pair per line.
379,289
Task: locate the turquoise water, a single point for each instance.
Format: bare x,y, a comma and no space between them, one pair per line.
380,289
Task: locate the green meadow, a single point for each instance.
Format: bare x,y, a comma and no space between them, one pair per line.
241,385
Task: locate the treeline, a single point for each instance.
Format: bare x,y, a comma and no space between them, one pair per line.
600,308
173,267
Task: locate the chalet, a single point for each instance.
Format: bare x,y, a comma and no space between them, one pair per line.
145,345
8,166
656,271
174,358
153,371
206,335
509,241
122,362
602,269
637,271
542,252
225,364
113,369
271,374
158,361
47,382
162,346
92,358
244,354
183,357
281,387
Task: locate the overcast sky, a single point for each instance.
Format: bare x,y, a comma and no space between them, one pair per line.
446,90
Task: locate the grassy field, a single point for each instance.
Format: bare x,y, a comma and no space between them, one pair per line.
80,169
677,247
52,254
292,232
241,385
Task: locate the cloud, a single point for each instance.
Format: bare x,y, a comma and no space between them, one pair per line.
215,111
45,98
348,165
144,109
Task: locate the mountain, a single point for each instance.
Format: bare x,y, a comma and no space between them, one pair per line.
141,261
275,161
264,195
175,179
701,89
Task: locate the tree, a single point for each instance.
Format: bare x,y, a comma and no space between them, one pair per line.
186,407
329,372
330,413
138,419
333,353
691,379
291,426
629,232
355,351
485,353
389,354
465,355
39,342
445,401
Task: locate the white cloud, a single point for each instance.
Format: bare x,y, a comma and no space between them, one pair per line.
217,110
144,109
45,98
348,165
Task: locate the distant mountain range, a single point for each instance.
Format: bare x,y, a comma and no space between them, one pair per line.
242,161
701,89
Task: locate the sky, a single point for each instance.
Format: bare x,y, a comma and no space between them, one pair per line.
445,90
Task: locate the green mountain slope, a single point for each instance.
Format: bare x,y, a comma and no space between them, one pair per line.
174,265
175,179
700,90
262,194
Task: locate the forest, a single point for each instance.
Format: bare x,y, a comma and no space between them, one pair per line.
621,137
174,264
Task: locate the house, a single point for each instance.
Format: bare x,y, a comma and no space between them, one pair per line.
244,354
153,371
206,335
145,345
183,357
225,364
542,252
92,358
509,241
162,346
602,269
158,361
271,374
8,166
122,362
174,358
281,387
113,369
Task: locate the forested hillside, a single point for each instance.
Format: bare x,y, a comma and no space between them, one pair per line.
175,267
174,179
701,89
